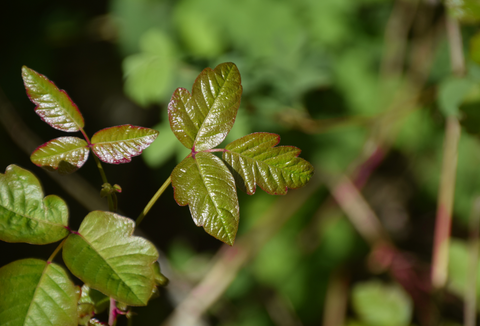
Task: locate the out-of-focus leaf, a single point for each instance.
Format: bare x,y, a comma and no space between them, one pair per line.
149,73
379,304
475,48
96,298
119,144
25,215
255,160
35,292
202,120
64,154
54,106
206,185
470,117
451,93
96,322
467,11
163,149
105,256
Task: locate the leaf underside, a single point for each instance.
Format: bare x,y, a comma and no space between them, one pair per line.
35,292
202,120
207,186
25,214
63,154
54,106
254,160
119,144
106,257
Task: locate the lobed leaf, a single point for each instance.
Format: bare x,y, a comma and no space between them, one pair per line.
63,154
25,215
105,256
119,144
207,186
36,292
254,160
54,106
203,119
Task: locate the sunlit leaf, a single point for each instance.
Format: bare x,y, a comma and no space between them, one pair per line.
105,256
202,120
119,144
64,154
25,215
379,304
255,160
54,106
207,186
35,292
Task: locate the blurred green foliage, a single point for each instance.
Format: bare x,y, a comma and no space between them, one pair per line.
330,77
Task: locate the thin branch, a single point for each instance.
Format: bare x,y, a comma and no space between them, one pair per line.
153,201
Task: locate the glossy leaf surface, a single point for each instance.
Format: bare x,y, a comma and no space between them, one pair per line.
207,186
255,160
119,144
106,257
201,120
64,154
35,292
25,215
54,106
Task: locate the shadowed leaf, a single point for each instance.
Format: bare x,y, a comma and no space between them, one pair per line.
203,119
54,106
119,144
275,169
64,154
105,256
25,215
207,186
35,292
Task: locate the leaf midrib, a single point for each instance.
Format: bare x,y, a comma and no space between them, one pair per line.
213,104
214,203
58,98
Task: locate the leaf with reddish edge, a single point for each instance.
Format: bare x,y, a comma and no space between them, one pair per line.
25,214
254,160
203,119
207,186
54,106
119,144
63,154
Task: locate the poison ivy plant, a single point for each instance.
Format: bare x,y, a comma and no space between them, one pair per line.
201,120
116,267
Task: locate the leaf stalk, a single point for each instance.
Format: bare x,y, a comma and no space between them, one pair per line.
153,201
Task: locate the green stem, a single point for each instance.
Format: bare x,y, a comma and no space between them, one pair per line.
111,204
153,200
52,256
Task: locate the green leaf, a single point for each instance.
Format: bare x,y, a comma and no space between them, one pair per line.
378,304
91,302
163,149
467,11
35,292
475,48
160,279
206,185
451,94
64,154
255,160
25,215
119,144
203,119
54,106
105,256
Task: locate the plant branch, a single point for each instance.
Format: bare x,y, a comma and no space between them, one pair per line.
111,203
52,256
449,167
153,201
